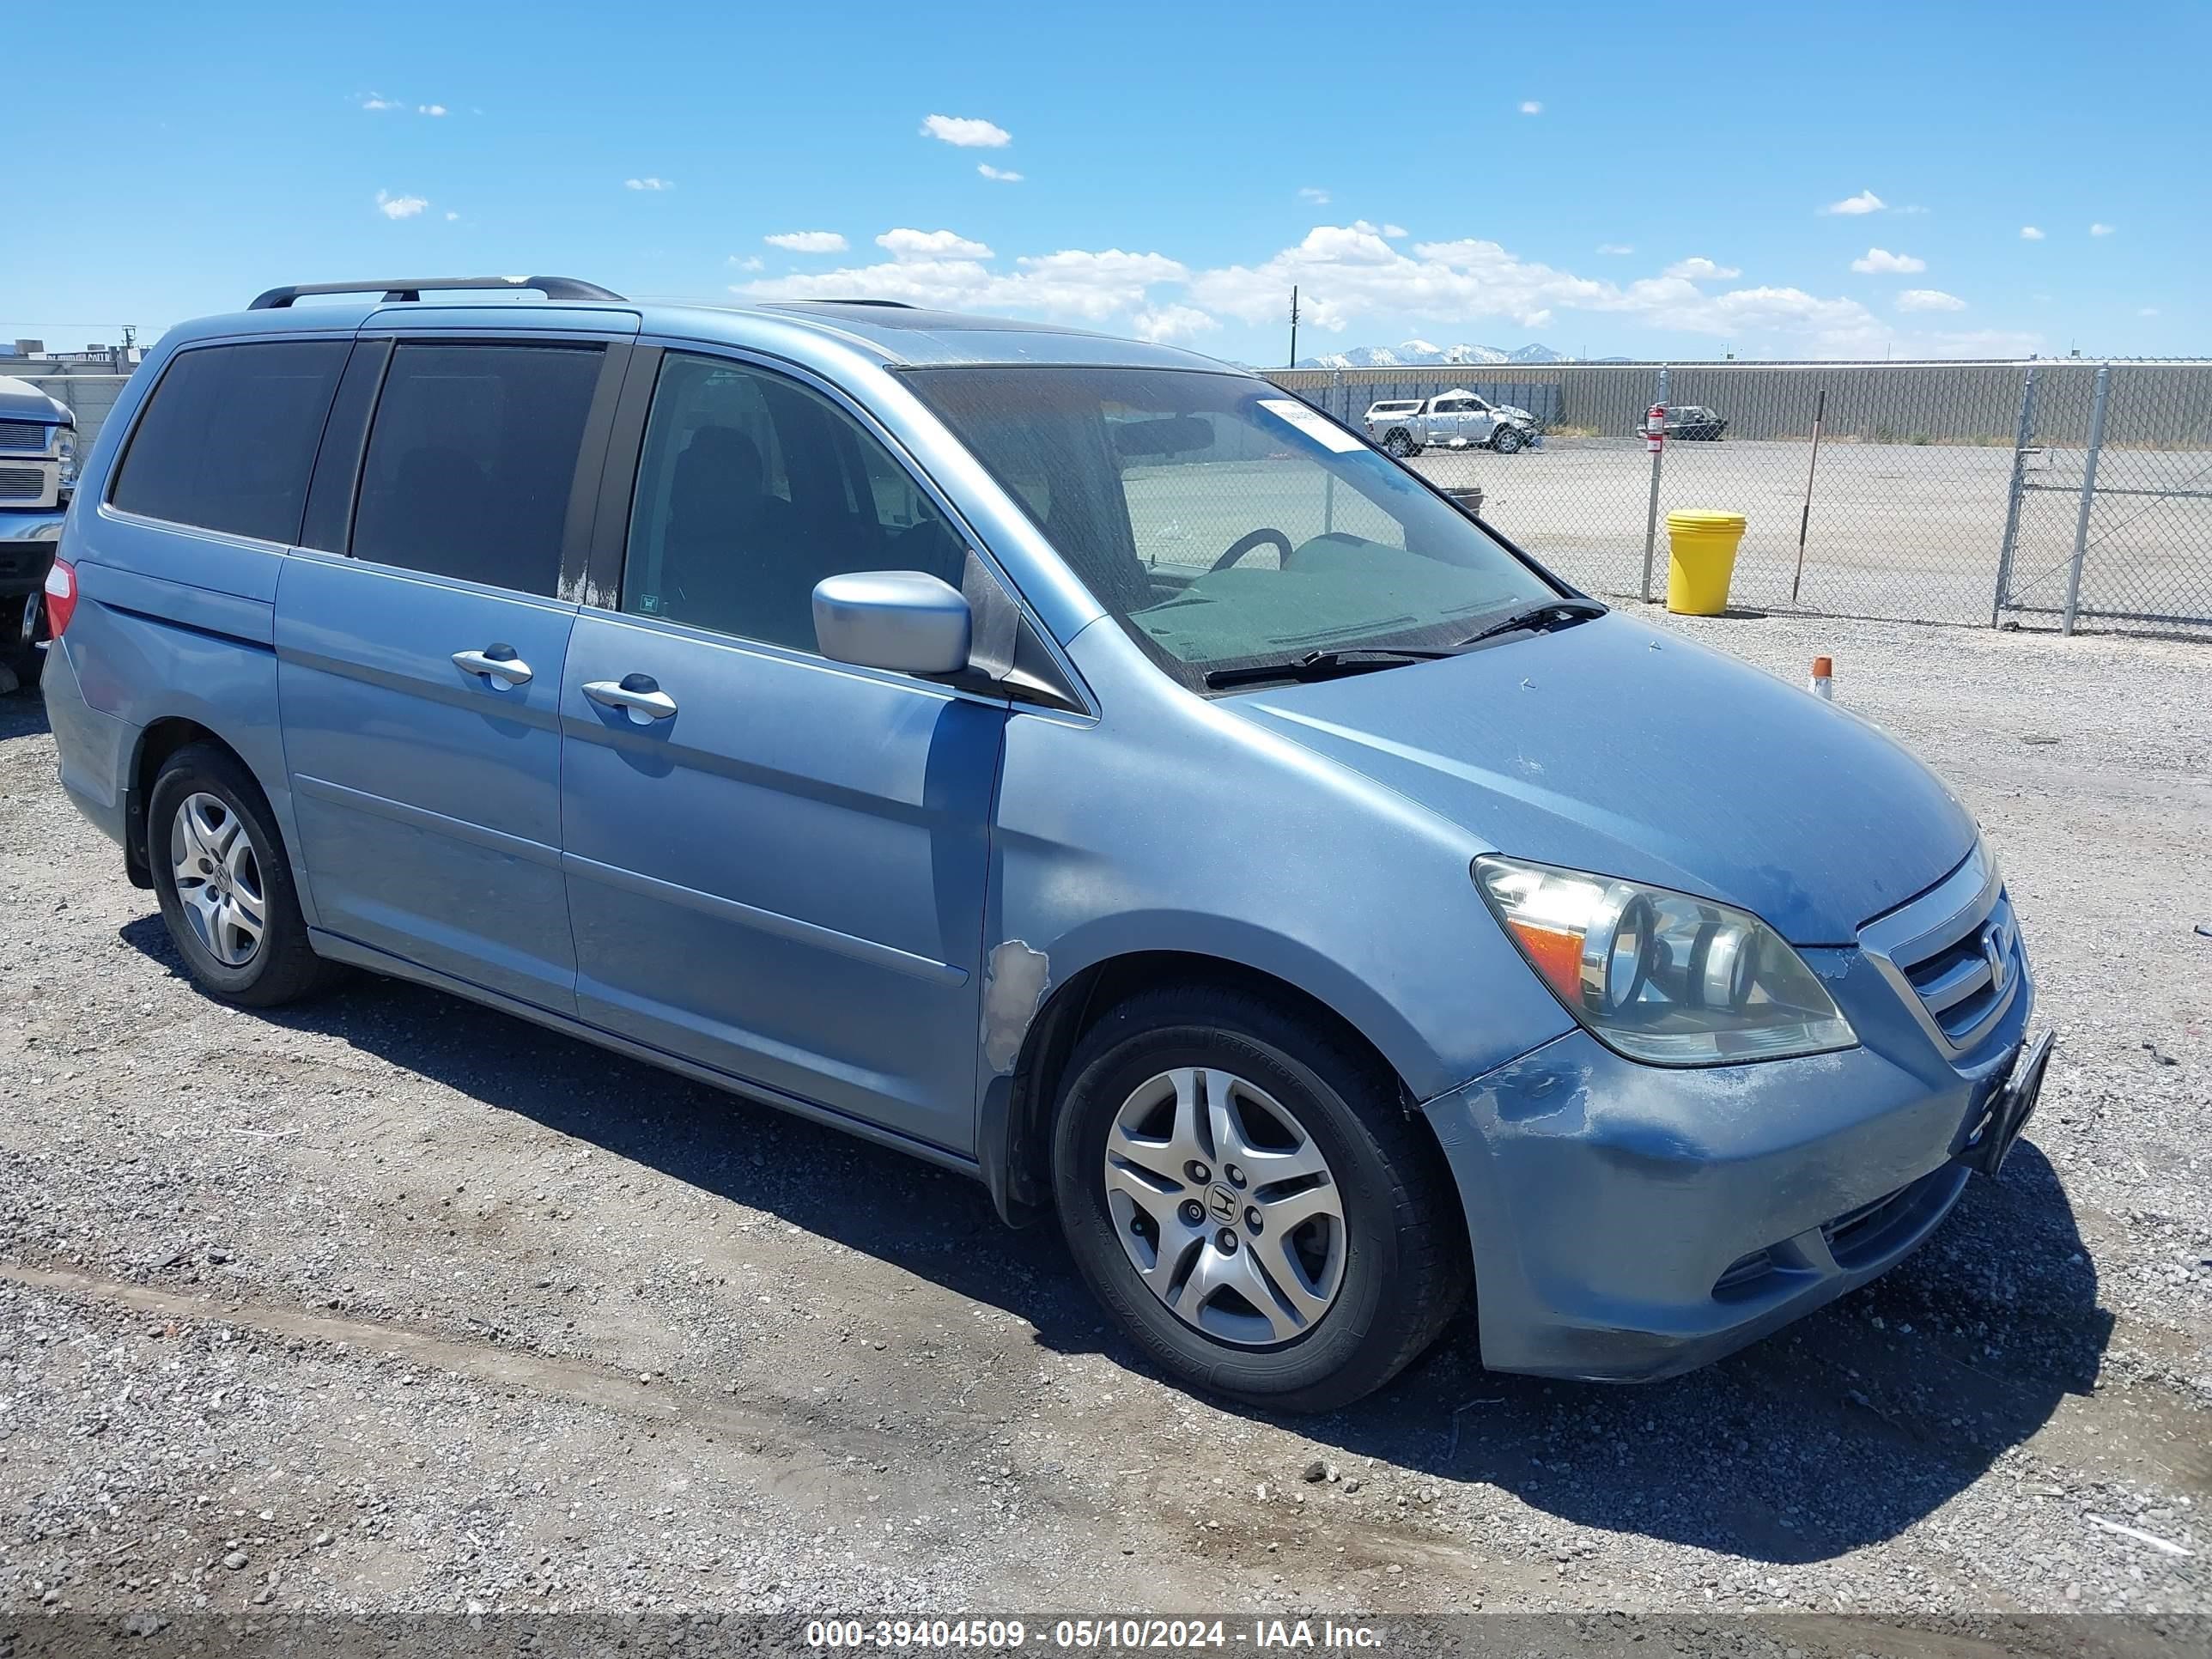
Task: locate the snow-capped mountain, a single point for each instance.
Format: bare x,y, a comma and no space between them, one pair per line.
1420,354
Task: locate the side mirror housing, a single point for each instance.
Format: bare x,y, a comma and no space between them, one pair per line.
895,619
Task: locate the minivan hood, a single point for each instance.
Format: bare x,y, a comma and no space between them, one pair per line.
1612,747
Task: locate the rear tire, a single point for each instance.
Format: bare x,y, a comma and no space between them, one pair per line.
1369,1262
1401,445
225,885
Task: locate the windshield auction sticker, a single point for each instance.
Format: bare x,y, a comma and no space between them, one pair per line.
1308,421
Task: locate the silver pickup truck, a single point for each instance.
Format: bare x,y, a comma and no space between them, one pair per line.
1451,420
38,471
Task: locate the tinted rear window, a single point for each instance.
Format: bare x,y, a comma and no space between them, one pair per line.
472,460
228,437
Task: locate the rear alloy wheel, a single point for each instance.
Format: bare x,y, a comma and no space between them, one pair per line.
225,887
1507,440
1243,1192
1400,444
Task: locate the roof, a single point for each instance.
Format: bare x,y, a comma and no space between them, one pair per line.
820,334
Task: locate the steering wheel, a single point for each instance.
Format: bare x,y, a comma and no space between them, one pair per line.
1251,539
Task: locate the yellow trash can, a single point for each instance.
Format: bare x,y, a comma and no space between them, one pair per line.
1701,549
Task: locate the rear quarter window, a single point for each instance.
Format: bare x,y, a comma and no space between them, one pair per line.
228,437
472,460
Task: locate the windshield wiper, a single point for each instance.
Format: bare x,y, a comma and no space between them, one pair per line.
1551,613
1321,665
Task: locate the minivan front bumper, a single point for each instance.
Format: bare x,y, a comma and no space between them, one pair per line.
1629,1222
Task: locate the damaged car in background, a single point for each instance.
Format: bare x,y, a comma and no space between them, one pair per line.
1069,760
1458,419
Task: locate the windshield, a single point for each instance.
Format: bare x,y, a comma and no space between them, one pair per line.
1223,522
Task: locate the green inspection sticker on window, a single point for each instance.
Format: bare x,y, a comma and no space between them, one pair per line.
1309,422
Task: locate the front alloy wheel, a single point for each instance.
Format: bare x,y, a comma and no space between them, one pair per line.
1225,1207
1242,1190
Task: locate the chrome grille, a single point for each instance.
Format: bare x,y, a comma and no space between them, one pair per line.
1953,953
22,483
32,435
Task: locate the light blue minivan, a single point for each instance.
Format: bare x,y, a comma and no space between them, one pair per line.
1076,763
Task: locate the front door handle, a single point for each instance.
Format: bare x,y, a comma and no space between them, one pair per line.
640,694
493,662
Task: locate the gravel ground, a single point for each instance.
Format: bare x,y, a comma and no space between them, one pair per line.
390,1304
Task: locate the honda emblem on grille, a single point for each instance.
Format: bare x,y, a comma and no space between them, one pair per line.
1996,948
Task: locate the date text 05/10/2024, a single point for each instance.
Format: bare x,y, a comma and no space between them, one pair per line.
1109,1634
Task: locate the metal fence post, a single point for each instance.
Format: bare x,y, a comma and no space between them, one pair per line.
2022,434
1651,512
2089,497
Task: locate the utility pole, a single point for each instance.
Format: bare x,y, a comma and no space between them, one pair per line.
1293,362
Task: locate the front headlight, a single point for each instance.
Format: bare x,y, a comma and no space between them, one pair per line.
1659,975
65,446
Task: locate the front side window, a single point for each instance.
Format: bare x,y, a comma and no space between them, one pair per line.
751,489
472,460
1221,521
228,437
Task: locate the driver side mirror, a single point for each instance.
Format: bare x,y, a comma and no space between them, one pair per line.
901,620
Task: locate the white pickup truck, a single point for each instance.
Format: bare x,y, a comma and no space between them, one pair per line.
1451,420
38,471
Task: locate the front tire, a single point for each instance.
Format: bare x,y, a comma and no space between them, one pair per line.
1507,440
1243,1192
22,626
224,884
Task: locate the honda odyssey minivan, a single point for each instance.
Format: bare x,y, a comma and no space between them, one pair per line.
1075,762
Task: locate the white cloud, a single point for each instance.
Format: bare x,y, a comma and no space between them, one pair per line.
930,245
1089,287
648,183
1171,323
1928,299
967,132
2030,234
1530,106
1345,275
2101,230
1698,269
1615,247
1865,201
451,216
400,207
1880,262
1393,232
747,262
430,109
2147,311
1004,175
1314,194
1352,275
808,241
378,100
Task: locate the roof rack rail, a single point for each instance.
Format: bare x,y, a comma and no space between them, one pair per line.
396,289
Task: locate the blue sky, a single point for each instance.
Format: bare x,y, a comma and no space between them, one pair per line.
1672,181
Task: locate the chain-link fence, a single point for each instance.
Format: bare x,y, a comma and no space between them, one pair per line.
2113,514
1930,492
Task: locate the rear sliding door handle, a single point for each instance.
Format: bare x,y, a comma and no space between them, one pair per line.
640,694
493,662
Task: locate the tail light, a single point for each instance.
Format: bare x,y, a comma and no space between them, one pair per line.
61,597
